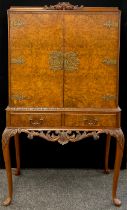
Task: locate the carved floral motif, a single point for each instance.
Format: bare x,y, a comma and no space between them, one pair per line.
63,6
63,136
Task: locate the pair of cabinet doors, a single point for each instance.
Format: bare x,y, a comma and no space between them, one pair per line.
63,59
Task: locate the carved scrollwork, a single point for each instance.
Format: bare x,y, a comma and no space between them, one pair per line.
63,6
7,134
63,136
116,133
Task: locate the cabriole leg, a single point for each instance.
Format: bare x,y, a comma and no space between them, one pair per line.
119,154
6,154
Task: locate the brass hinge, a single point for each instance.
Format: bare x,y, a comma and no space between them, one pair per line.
19,60
108,61
20,97
110,24
17,23
109,97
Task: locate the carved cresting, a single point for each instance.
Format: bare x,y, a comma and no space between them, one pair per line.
63,136
63,6
63,61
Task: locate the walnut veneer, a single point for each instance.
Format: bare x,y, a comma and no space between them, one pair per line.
63,78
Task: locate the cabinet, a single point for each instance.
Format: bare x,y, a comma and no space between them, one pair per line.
63,77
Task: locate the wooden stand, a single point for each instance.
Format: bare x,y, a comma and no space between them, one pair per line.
63,137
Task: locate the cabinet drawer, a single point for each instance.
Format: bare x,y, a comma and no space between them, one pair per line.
91,120
35,120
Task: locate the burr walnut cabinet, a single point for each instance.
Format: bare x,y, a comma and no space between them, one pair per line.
63,78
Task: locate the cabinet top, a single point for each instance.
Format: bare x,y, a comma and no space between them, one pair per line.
63,6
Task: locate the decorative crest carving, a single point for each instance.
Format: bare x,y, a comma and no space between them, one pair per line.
63,6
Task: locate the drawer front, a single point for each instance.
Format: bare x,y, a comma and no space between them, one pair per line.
91,120
35,120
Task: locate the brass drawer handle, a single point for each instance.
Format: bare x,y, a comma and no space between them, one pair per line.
36,122
90,121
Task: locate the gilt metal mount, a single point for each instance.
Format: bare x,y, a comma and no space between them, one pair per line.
19,60
63,61
17,23
109,24
108,61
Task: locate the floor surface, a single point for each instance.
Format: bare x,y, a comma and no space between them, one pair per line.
63,189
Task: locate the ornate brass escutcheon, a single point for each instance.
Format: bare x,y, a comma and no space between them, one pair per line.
56,60
63,61
71,61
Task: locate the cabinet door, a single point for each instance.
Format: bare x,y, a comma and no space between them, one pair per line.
35,43
92,47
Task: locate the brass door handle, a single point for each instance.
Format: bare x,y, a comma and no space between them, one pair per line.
36,122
